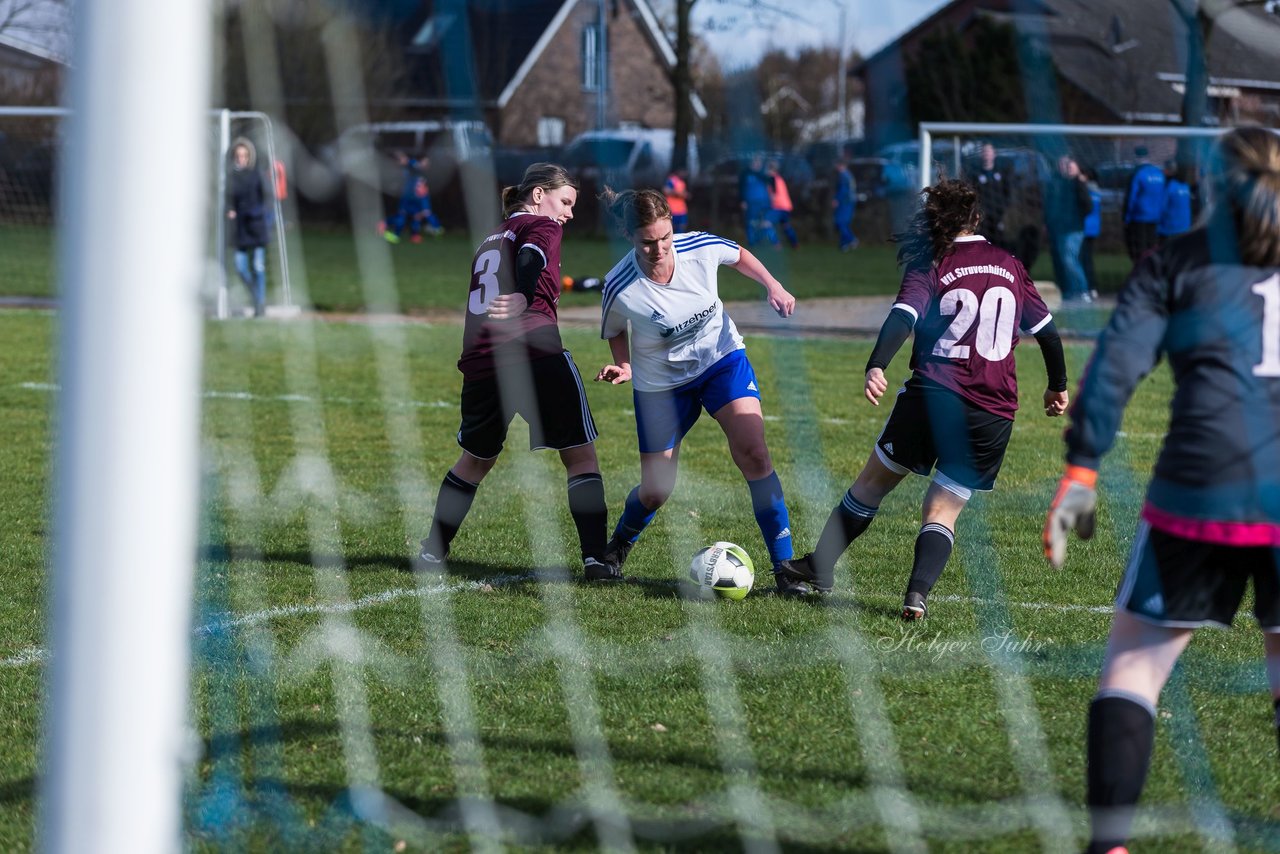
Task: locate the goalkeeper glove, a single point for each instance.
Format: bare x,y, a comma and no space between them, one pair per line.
1074,508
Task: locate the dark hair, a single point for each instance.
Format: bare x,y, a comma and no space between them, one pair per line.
548,176
946,209
634,209
1245,178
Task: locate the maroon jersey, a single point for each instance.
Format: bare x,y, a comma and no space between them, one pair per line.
968,311
489,344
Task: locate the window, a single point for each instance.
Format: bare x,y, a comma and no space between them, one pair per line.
550,131
592,51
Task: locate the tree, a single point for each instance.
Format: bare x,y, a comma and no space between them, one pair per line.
740,13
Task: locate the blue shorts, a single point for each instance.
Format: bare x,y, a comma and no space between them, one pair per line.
664,417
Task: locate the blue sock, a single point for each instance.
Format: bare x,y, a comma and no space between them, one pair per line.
771,515
635,518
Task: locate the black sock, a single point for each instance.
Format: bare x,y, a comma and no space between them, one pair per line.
590,515
1122,729
933,547
452,505
848,519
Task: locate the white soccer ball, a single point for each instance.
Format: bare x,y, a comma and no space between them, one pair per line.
724,570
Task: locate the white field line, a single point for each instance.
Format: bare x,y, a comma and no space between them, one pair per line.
432,404
39,655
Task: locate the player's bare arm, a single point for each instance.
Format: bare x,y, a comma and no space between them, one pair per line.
620,371
507,306
780,299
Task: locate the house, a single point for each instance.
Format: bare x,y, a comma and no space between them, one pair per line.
1116,62
539,72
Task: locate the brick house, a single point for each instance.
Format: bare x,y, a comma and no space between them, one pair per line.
1114,62
532,70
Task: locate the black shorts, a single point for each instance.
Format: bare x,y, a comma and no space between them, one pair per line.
933,425
1180,583
546,392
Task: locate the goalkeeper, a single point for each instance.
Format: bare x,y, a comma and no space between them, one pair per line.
1209,301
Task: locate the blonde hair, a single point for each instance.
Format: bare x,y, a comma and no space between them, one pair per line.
548,176
632,210
1245,178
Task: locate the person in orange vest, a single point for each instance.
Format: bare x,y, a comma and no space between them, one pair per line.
780,204
677,193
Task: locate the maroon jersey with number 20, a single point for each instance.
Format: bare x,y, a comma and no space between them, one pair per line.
968,311
490,344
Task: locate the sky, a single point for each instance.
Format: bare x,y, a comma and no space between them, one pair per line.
870,24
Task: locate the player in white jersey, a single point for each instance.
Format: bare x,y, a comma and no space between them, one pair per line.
669,334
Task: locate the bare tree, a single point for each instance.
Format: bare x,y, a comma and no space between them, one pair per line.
733,14
40,23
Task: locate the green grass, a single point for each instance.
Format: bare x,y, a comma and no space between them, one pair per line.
803,708
425,277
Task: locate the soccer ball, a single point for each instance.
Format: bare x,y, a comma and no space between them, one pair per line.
724,570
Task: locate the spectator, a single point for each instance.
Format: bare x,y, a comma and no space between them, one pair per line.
754,193
1066,206
1175,215
1143,206
1210,525
247,207
843,200
1092,230
993,196
780,203
415,203
676,191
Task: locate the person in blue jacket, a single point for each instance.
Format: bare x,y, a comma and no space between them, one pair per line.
415,203
843,200
1175,216
753,189
1092,230
1143,206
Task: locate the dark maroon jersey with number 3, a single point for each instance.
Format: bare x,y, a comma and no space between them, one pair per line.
489,344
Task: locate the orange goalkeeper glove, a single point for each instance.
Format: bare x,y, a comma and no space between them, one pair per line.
1074,508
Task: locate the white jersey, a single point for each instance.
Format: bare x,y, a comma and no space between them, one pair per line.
680,329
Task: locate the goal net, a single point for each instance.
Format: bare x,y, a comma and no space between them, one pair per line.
338,694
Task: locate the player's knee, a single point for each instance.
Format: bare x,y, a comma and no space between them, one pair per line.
654,495
753,460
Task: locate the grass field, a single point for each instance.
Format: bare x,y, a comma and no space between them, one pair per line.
425,277
343,704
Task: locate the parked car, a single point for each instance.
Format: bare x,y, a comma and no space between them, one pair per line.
879,178
622,159
943,153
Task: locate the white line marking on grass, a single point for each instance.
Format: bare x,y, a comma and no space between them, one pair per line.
39,655
286,398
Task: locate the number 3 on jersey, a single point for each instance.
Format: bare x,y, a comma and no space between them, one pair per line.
994,315
486,272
